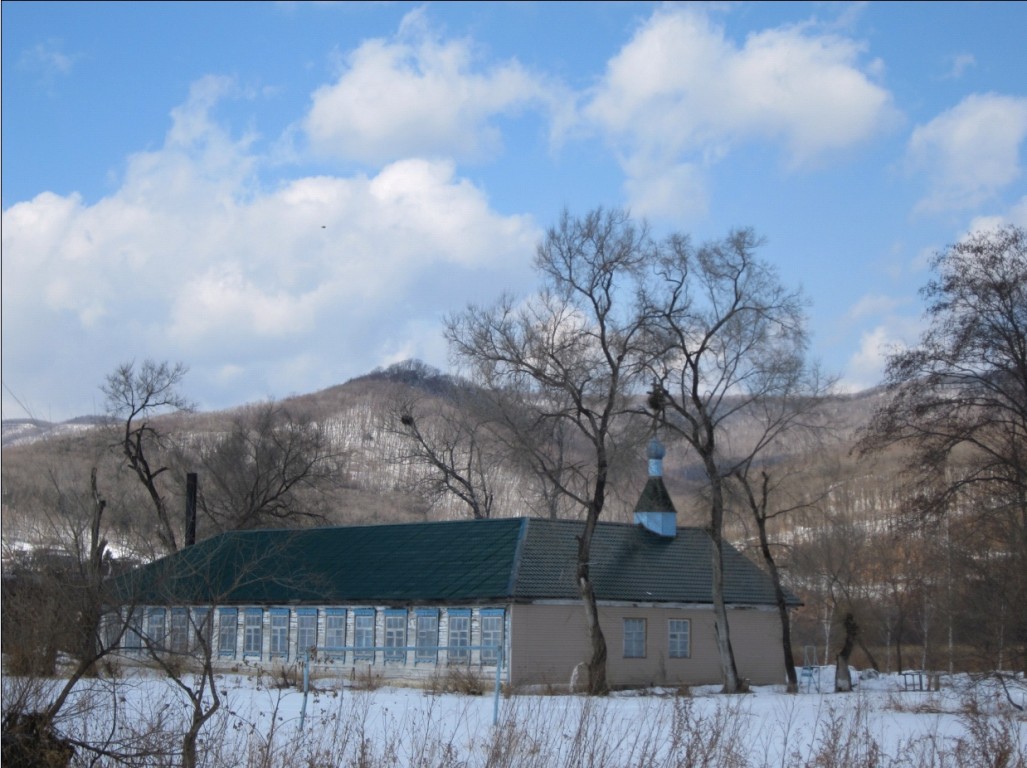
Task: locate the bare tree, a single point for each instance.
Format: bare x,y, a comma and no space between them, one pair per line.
726,338
134,396
570,353
68,600
454,447
272,466
958,404
479,442
843,677
757,493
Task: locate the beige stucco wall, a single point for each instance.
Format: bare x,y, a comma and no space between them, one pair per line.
548,641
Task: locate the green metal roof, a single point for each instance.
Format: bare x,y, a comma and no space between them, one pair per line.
464,561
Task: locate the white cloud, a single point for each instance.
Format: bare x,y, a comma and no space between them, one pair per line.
971,152
866,367
681,92
192,259
872,305
421,96
1018,212
960,63
48,59
892,333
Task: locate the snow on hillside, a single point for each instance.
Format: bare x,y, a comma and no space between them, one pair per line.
25,431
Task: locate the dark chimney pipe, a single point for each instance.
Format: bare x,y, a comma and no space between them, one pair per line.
190,509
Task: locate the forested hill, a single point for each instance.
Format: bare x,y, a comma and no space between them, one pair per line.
377,476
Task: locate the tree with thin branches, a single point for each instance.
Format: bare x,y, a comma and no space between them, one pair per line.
568,358
134,395
957,407
725,339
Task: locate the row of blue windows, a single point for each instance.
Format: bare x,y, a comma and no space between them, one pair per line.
191,630
678,638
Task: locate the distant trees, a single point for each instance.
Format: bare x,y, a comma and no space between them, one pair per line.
958,407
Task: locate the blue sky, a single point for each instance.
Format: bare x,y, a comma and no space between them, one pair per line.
286,195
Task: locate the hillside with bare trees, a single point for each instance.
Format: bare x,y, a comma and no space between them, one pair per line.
842,537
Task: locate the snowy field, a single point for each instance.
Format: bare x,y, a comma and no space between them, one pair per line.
966,723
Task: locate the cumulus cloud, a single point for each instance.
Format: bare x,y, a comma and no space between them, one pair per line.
865,368
960,64
970,153
47,58
681,92
1018,212
889,325
873,305
419,95
193,259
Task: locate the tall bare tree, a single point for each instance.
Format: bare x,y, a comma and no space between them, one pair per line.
570,353
958,405
726,339
134,395
272,466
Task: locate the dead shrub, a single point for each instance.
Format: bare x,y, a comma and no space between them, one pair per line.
365,679
457,680
288,676
29,741
991,741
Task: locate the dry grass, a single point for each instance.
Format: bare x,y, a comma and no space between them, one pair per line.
352,727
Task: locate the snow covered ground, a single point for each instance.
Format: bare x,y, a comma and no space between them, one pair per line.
967,723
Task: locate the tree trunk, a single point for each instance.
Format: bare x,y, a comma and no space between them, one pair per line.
782,606
842,677
729,672
597,683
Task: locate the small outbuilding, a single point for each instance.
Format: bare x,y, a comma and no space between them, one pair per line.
411,601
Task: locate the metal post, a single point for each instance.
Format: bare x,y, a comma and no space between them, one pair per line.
495,697
306,686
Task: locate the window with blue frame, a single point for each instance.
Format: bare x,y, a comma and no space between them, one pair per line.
180,630
395,635
155,627
679,638
363,634
634,638
426,627
491,634
133,638
459,628
228,632
111,629
253,632
202,630
335,632
279,633
306,631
